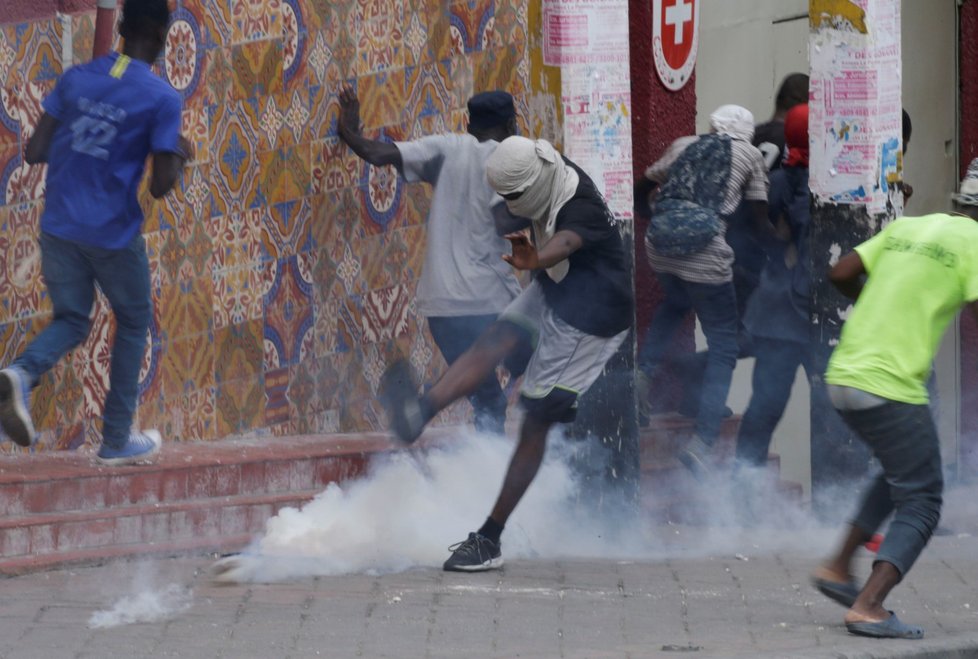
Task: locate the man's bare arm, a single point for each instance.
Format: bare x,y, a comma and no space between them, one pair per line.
167,167
848,274
375,152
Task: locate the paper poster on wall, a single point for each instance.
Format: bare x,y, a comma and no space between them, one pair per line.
585,32
855,119
588,39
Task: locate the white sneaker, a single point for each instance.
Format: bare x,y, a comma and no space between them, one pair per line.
140,448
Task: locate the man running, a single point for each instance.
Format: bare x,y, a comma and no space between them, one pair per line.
921,271
100,123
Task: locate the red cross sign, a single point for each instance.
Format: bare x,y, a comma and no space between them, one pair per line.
675,34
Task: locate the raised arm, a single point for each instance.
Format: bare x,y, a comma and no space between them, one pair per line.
375,152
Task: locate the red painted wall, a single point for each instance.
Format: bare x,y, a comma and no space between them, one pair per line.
659,116
16,11
968,45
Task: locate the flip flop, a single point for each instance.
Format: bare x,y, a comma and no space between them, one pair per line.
892,627
845,593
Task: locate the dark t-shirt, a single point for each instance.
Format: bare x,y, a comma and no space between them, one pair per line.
770,133
749,258
779,307
596,294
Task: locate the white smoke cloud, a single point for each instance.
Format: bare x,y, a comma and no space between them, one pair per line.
413,505
147,605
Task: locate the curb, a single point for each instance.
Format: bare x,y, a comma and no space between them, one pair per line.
953,647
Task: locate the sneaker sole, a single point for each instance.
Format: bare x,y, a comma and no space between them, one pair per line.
396,390
491,564
13,413
694,464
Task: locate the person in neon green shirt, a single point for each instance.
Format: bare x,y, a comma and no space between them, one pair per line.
909,281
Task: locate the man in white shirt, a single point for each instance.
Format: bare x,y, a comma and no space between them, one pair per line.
465,283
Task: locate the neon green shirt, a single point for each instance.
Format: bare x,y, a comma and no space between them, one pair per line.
921,271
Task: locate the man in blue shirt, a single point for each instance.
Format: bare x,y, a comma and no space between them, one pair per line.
99,125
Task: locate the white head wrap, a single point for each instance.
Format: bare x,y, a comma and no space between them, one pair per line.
536,169
733,120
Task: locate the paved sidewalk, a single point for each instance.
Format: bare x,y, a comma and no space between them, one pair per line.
736,605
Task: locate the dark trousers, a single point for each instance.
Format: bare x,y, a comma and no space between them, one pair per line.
716,307
904,440
774,374
454,335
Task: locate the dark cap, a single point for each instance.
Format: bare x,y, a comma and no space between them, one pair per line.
490,109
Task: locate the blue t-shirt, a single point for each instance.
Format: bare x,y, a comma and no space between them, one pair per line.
112,112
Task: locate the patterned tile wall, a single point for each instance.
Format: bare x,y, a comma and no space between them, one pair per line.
283,268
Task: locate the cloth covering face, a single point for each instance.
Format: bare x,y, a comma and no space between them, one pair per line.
535,169
733,120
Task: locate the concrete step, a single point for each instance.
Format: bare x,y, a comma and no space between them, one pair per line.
67,481
61,508
669,491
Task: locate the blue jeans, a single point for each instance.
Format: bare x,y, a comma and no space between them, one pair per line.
716,307
454,335
774,374
904,440
70,272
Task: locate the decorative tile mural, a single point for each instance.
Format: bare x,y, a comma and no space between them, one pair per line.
283,268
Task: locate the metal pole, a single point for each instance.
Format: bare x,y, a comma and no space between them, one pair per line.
104,27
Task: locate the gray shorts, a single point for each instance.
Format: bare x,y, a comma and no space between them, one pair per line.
565,361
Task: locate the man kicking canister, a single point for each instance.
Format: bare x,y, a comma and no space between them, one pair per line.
921,271
575,313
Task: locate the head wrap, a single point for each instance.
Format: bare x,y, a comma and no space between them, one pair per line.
796,136
490,109
968,191
733,120
535,169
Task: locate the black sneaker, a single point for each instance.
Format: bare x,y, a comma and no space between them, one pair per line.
399,396
476,554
